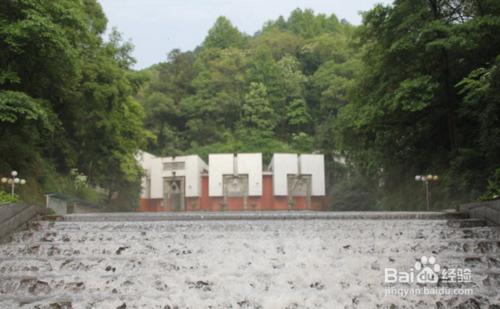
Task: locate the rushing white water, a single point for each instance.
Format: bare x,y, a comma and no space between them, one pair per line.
242,264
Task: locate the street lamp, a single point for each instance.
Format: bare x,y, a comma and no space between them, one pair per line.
12,181
426,179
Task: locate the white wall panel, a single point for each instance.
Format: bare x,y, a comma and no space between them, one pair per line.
151,166
251,164
218,165
314,165
283,164
155,172
144,160
193,167
154,168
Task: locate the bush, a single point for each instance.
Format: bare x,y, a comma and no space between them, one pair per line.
354,194
73,185
493,188
7,198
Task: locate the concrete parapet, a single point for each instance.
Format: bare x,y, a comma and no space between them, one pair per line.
263,215
13,216
488,211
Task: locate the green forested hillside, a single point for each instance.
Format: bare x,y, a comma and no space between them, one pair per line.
66,100
413,90
269,92
427,100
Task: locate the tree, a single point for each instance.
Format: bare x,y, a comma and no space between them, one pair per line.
273,92
406,114
224,35
307,24
258,114
278,42
162,114
412,90
296,116
66,97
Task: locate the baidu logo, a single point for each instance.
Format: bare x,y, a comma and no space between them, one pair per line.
427,273
425,270
428,270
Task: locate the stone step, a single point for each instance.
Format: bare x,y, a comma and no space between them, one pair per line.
467,223
110,248
261,215
316,263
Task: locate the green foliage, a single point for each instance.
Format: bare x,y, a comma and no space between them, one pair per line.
67,96
414,94
238,93
73,186
354,194
8,198
426,99
493,188
302,142
415,89
258,113
306,24
17,106
245,141
224,35
277,42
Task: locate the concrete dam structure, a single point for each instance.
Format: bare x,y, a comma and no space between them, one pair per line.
251,260
232,182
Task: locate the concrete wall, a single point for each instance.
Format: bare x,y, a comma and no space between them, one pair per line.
202,169
154,170
266,190
284,164
246,164
218,165
488,211
251,164
314,165
281,165
193,167
13,216
59,206
266,202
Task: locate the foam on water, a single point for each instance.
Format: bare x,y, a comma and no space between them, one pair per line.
240,264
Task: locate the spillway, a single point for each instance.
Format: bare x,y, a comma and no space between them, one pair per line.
246,263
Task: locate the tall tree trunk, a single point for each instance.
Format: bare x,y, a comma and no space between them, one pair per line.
449,91
450,102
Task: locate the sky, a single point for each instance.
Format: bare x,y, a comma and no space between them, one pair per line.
156,27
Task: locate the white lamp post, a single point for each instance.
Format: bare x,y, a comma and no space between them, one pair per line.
426,179
12,181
